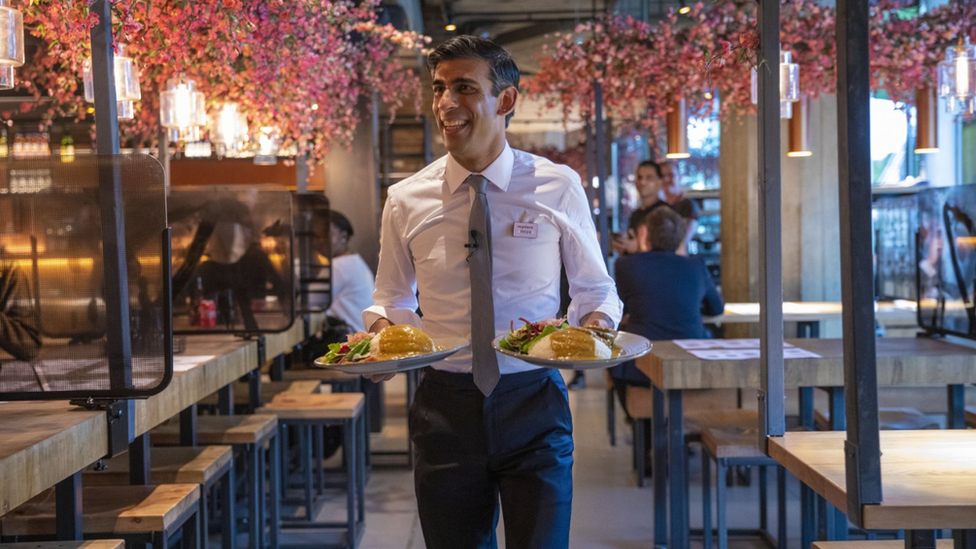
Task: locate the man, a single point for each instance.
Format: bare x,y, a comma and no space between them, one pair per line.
352,280
481,234
657,187
18,334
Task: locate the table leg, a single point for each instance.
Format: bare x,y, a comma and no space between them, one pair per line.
836,521
806,408
139,465
188,426
964,539
957,407
920,539
678,465
225,400
68,508
277,370
659,450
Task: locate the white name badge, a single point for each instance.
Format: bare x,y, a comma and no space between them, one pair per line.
525,230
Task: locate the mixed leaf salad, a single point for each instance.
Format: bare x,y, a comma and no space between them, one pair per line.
355,349
521,340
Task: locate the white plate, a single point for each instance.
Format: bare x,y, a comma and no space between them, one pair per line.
631,347
445,348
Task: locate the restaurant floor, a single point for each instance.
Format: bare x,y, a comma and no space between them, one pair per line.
609,511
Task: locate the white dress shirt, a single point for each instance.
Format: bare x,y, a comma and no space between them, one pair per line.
425,228
352,290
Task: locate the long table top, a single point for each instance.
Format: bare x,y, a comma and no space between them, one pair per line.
42,443
928,477
913,362
886,312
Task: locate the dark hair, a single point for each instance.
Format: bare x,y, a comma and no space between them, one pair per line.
665,228
502,69
340,222
650,164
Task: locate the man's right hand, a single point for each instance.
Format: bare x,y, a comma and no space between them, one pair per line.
624,244
376,328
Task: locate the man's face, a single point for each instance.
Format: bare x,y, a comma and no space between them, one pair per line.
468,116
647,181
668,185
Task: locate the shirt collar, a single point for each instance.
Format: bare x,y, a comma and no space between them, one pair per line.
499,172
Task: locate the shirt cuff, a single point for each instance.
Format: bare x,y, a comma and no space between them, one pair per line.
611,306
396,316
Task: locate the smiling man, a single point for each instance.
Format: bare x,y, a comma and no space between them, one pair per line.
480,235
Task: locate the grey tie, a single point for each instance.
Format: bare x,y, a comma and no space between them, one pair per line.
484,363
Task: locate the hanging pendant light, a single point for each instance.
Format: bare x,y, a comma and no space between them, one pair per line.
789,84
927,121
957,78
11,44
268,143
127,89
677,125
182,110
799,134
228,129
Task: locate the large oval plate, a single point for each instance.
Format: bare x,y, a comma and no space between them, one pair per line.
445,348
631,347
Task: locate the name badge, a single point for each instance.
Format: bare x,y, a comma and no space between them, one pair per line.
525,230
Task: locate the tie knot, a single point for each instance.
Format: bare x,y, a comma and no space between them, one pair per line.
478,183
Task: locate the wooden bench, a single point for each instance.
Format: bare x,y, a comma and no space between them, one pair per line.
874,544
730,442
94,544
253,436
137,514
203,465
639,406
269,389
905,419
309,414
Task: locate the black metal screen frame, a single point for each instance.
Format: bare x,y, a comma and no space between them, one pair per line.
303,291
249,333
167,295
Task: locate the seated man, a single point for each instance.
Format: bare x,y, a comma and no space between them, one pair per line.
664,293
18,334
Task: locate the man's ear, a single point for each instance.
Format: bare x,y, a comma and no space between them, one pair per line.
643,238
507,100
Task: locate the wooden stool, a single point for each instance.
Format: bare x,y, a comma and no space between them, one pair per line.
312,412
203,465
888,419
269,389
254,436
971,418
639,405
95,544
137,514
734,444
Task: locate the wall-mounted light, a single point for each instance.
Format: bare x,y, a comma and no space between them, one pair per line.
926,121
799,130
677,125
11,44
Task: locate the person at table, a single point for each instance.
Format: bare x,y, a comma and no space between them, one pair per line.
482,233
19,335
352,279
657,187
664,294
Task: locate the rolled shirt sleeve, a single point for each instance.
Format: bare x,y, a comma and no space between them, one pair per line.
395,297
590,286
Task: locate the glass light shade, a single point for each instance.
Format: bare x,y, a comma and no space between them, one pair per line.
182,109
789,78
268,143
957,78
11,44
127,89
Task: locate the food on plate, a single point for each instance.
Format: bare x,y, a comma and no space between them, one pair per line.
393,342
555,339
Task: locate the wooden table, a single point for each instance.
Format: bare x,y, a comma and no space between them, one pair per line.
908,362
928,477
809,314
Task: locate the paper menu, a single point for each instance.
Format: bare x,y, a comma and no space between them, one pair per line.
746,343
185,363
748,354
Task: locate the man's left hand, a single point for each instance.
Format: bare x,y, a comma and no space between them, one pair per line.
597,319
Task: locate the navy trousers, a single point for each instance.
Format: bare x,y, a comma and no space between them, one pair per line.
514,447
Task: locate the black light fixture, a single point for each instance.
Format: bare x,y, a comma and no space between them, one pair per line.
448,11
